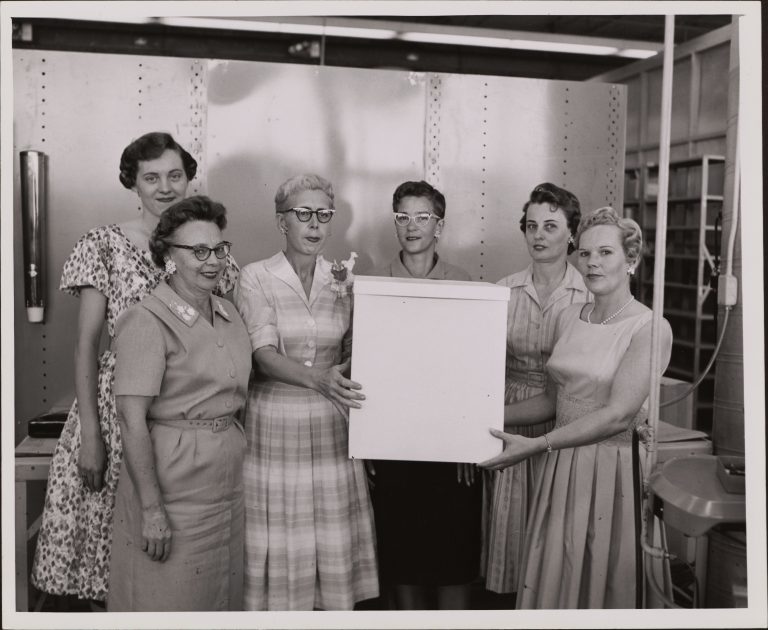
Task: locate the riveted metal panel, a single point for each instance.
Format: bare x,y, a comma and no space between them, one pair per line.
82,110
499,137
484,141
361,129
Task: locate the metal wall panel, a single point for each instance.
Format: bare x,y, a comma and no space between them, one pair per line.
82,110
484,141
361,129
713,104
499,137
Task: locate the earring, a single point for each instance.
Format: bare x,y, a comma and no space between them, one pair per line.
170,266
283,231
631,271
570,240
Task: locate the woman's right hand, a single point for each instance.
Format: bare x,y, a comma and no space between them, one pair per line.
341,391
92,461
155,533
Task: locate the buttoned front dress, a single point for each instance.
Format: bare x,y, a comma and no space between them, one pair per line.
530,337
193,370
428,524
73,546
310,539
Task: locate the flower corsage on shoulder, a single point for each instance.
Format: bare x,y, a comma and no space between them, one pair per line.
342,276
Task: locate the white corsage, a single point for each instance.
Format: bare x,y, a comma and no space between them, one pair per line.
341,283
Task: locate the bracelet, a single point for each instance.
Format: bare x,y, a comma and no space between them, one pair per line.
549,446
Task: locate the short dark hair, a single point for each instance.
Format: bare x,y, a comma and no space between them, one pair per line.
559,199
420,189
151,146
197,208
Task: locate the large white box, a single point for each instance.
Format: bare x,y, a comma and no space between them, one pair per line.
430,357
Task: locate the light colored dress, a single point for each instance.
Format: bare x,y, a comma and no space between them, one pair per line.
428,524
530,337
580,542
193,370
73,546
310,539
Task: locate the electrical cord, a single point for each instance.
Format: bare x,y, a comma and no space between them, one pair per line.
706,370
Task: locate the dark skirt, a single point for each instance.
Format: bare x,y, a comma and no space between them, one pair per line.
427,524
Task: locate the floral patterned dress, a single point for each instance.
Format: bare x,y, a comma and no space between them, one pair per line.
73,547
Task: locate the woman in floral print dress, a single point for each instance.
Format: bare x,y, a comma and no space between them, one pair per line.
109,269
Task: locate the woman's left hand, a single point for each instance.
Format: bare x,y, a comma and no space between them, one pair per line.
341,391
465,473
516,449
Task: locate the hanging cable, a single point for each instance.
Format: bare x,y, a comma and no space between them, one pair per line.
706,370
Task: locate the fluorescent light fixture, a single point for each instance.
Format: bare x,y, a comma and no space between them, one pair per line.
636,53
524,44
427,34
294,28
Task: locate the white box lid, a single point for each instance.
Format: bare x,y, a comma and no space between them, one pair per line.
416,287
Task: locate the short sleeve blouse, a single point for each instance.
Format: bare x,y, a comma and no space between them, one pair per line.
167,350
106,259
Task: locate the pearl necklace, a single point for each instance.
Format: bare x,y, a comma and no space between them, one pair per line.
610,317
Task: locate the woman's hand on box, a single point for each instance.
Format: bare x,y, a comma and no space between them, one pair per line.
516,449
342,392
465,473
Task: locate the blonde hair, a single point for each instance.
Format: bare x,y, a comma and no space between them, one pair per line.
300,183
631,234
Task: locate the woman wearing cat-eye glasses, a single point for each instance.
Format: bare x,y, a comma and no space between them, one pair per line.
428,514
309,522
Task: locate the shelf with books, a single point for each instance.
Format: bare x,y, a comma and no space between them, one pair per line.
694,206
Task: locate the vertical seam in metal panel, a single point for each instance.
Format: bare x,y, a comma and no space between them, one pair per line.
611,197
197,121
43,337
483,160
566,130
432,138
139,103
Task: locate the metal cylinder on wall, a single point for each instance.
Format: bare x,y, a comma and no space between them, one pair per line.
33,201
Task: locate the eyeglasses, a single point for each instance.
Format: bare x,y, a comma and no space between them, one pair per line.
305,214
204,253
421,219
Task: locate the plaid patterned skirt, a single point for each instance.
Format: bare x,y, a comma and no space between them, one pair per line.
309,533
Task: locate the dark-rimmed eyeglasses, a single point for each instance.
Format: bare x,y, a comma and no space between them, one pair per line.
203,252
305,214
421,219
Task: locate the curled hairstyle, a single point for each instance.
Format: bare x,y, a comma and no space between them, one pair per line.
300,183
631,234
198,208
151,146
420,189
559,199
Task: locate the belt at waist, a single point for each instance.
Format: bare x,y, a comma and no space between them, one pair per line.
222,423
534,379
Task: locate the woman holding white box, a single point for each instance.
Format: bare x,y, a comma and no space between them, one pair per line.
428,514
309,524
537,296
580,539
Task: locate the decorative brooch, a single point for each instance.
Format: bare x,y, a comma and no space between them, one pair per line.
186,312
221,309
342,281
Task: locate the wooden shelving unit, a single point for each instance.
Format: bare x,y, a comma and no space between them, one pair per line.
694,203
